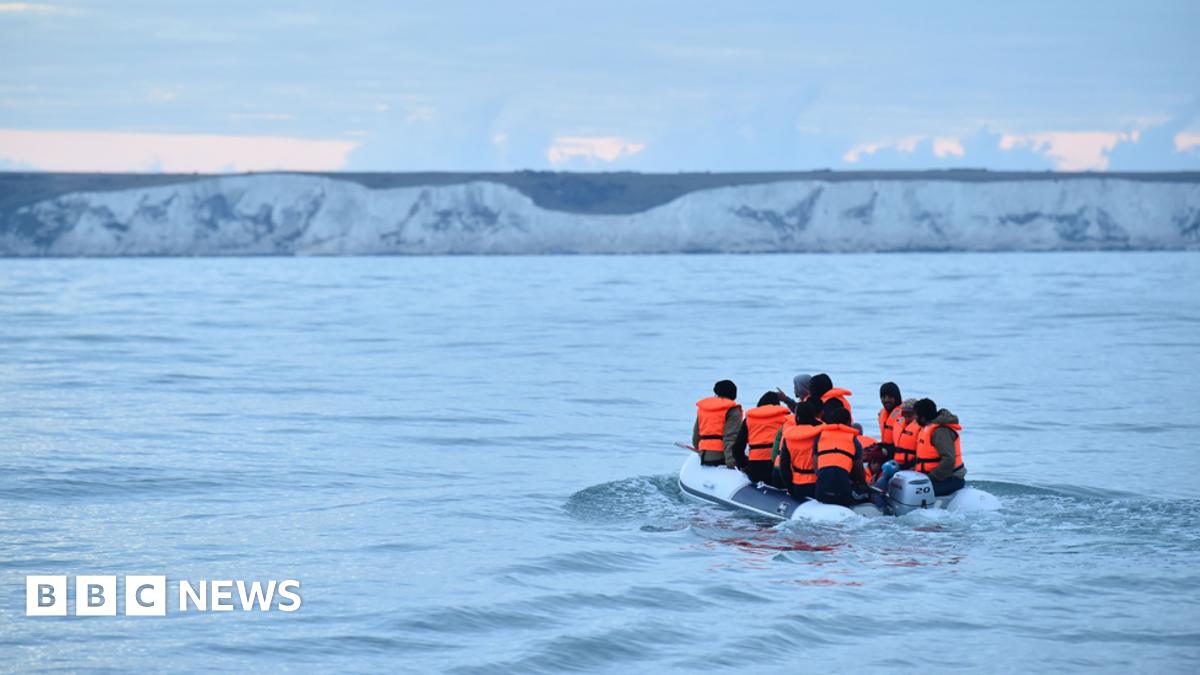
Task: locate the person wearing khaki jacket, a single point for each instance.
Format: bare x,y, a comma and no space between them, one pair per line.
718,420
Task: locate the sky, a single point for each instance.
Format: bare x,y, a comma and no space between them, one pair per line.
158,85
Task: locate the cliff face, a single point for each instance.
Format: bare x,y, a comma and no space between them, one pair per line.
284,214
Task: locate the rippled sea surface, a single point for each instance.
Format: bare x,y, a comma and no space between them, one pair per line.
468,462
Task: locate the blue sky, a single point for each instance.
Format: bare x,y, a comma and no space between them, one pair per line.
605,86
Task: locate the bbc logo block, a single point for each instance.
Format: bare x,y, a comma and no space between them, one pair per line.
96,595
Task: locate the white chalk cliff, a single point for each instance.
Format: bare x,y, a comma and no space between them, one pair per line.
282,214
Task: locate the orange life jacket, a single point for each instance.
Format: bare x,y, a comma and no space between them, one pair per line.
905,442
837,446
928,457
889,422
840,394
761,425
799,441
711,416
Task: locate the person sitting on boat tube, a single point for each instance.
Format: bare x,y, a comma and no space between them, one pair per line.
795,470
839,459
718,419
821,388
758,432
939,448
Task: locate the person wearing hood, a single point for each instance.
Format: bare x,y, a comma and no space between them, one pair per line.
795,461
821,388
800,387
718,419
939,448
890,416
839,460
759,431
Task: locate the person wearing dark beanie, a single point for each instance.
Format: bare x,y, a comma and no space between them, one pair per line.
759,431
718,419
925,410
818,385
890,417
939,447
821,389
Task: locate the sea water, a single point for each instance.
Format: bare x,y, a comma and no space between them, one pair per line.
468,464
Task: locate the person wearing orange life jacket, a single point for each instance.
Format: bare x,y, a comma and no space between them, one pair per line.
904,439
758,431
718,419
838,460
796,469
939,448
804,415
821,388
904,444
890,415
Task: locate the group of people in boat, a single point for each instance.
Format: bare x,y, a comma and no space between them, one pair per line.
811,446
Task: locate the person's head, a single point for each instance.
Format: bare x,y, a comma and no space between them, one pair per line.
906,409
806,414
819,385
838,415
800,386
725,389
828,407
925,410
769,398
889,395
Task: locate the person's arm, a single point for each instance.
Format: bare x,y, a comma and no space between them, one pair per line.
943,440
739,445
785,466
857,475
786,400
733,424
775,445
696,434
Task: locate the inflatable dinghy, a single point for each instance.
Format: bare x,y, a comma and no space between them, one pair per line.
907,491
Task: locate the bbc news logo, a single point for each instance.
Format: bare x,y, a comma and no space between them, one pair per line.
146,595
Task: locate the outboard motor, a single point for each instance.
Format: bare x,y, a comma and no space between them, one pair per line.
908,491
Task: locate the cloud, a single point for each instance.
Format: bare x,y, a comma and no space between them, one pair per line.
1071,150
32,8
265,116
1168,145
940,146
133,152
419,113
590,148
